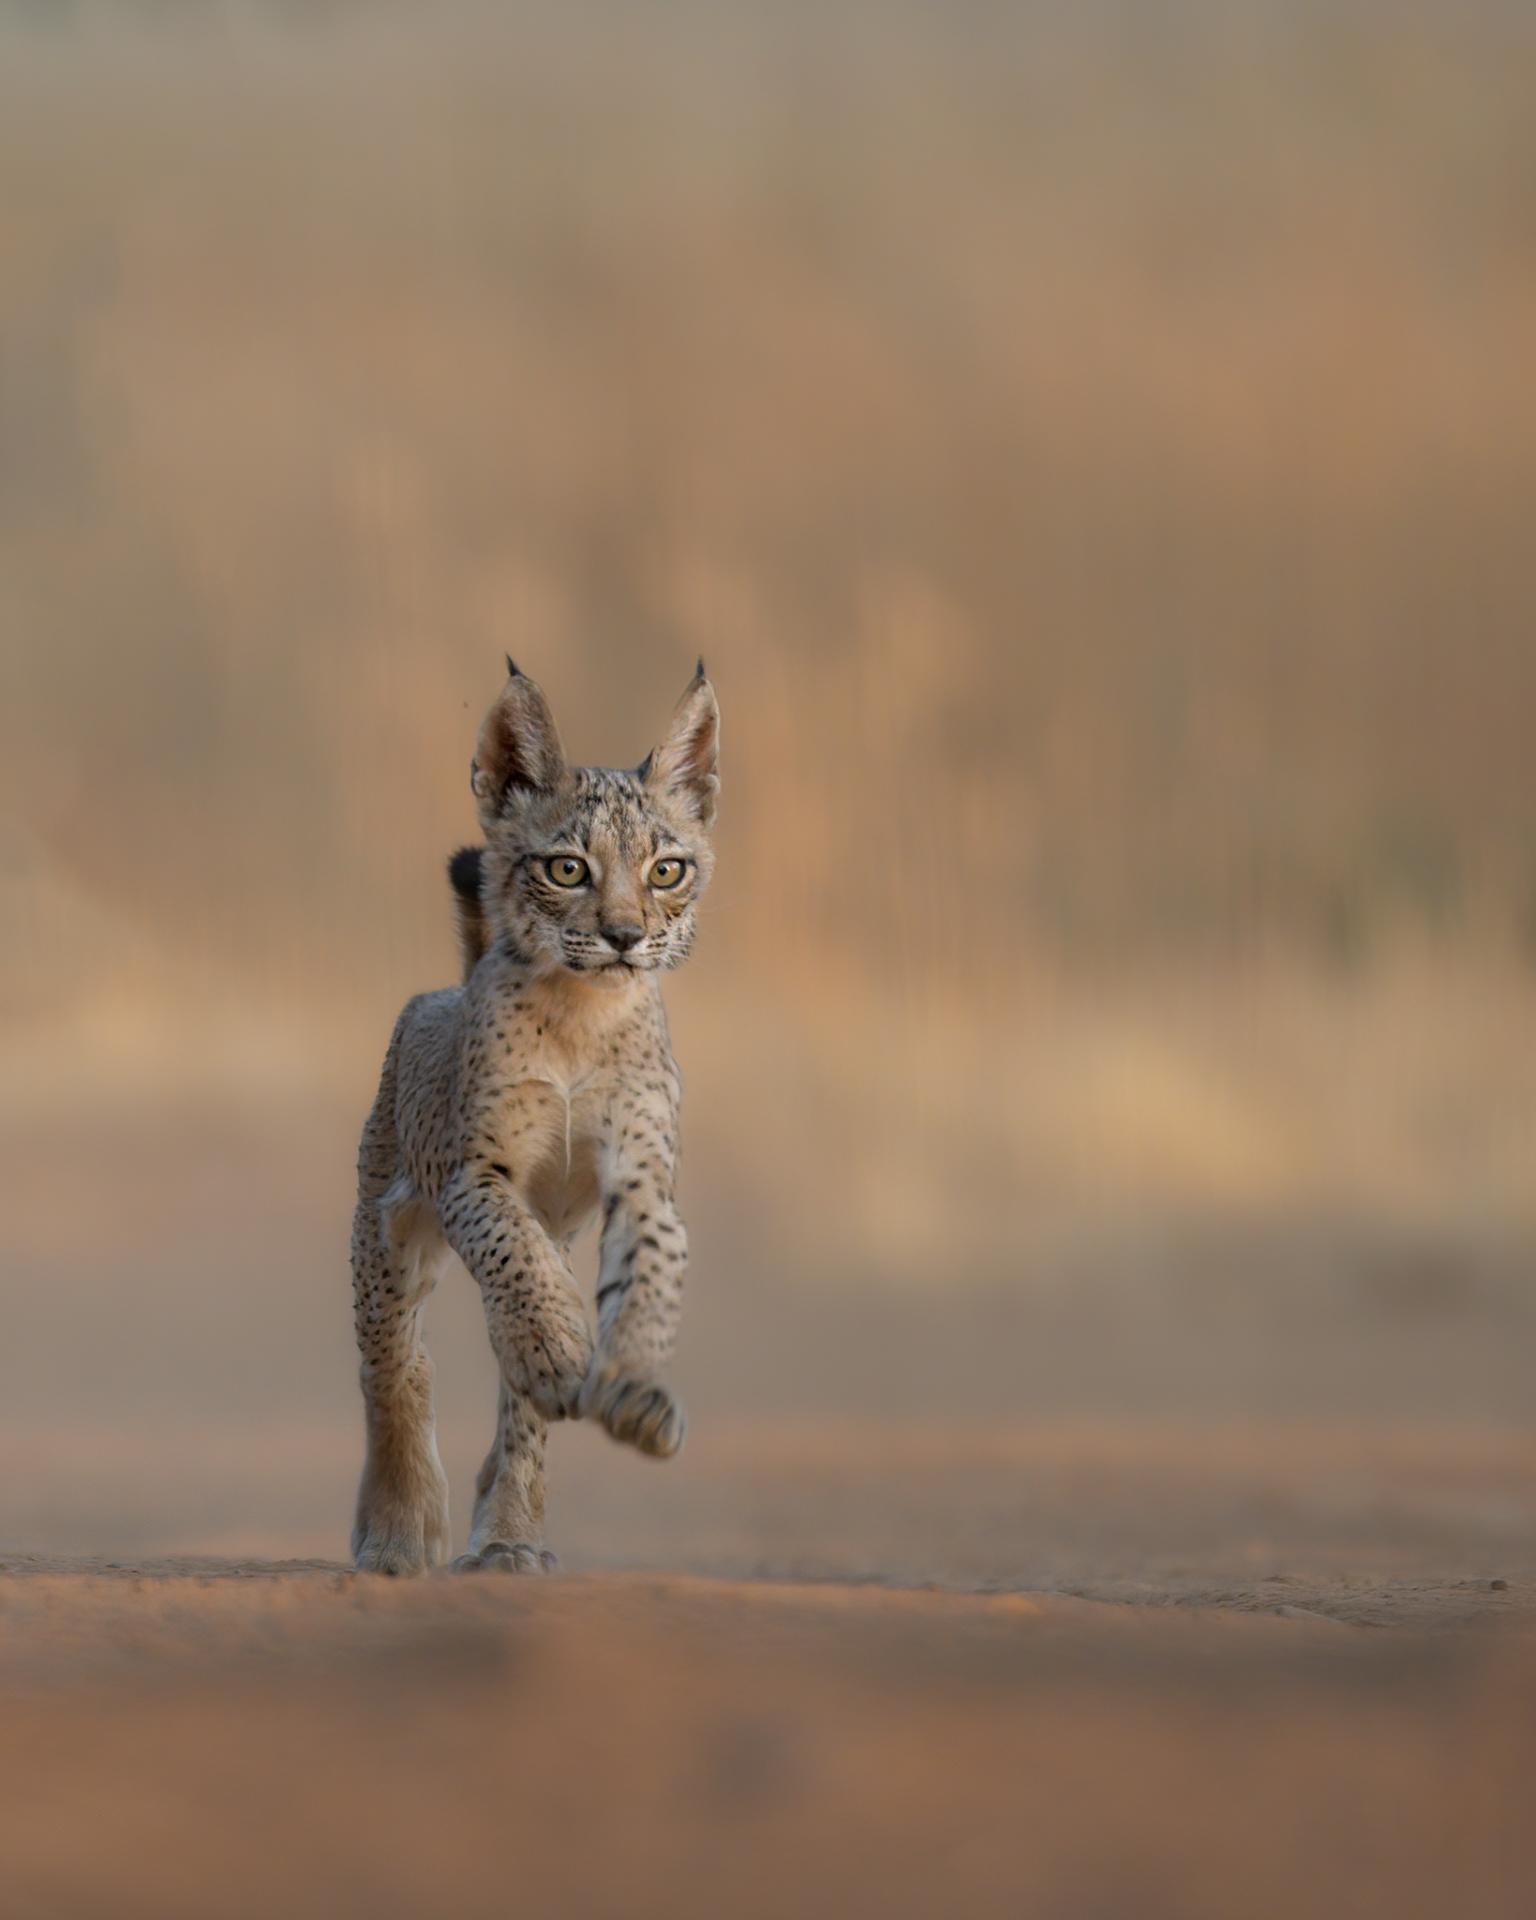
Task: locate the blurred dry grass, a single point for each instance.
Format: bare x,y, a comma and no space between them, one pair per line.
1098,458
1096,450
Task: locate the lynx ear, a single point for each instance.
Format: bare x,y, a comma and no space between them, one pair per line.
519,746
685,766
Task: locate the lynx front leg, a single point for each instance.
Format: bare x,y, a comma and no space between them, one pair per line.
507,1535
639,1298
533,1312
402,1503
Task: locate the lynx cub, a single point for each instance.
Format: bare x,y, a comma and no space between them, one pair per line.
513,1107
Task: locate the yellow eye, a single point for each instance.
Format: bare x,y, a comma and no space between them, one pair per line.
567,871
667,873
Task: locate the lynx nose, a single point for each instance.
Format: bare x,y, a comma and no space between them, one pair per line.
624,936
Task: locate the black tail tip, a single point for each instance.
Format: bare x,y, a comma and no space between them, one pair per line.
464,873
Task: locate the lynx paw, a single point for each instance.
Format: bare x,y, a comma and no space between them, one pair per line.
507,1556
556,1361
401,1551
401,1536
639,1412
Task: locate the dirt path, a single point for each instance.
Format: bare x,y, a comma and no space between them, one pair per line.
1067,1673
249,1740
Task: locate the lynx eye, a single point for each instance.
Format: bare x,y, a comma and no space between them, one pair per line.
567,871
667,873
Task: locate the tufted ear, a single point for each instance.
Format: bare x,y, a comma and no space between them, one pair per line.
685,766
519,746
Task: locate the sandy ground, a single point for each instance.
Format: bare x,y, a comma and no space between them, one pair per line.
1240,1620
823,1668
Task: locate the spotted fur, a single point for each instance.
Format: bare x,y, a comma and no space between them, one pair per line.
515,1107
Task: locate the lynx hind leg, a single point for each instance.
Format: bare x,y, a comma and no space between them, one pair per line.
402,1504
507,1533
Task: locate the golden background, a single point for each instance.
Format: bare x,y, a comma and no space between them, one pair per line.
1095,451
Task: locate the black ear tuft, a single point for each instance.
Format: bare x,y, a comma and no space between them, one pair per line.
698,672
464,873
514,671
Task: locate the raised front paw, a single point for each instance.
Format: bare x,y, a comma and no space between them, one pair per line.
507,1556
640,1412
556,1359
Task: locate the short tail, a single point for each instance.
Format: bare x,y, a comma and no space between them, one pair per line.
464,878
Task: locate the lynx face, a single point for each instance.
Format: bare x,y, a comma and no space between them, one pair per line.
589,868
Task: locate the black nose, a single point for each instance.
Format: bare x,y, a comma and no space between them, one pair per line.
622,938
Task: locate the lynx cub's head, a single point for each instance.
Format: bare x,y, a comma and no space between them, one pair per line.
593,869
